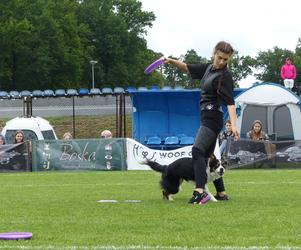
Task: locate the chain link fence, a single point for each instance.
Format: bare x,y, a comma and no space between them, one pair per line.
84,117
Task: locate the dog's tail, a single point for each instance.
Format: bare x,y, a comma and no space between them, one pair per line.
156,166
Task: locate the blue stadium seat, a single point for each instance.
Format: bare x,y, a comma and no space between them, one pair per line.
95,91
83,91
4,95
60,92
155,87
154,140
142,89
166,88
178,87
14,94
186,140
71,92
118,90
37,93
130,89
25,93
48,93
107,91
171,140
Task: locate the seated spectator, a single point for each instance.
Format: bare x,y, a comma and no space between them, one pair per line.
2,140
106,134
67,136
19,137
69,146
257,133
225,136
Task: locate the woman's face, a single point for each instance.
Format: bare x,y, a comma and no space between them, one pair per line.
220,60
1,141
19,137
228,127
257,127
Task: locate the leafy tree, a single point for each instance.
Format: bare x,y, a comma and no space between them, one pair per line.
49,43
240,67
175,76
269,64
297,61
117,29
42,44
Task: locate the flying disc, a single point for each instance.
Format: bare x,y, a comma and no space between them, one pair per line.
154,65
15,235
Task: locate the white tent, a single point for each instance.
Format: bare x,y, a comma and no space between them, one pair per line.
275,106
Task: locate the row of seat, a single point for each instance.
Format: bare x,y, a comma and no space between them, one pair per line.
80,92
169,141
60,93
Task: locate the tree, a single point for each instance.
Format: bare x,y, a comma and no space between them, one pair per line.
297,61
49,43
240,67
269,64
42,44
116,36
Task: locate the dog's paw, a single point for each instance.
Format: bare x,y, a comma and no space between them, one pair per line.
167,196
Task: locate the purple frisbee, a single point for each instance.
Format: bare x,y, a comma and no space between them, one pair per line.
150,68
15,236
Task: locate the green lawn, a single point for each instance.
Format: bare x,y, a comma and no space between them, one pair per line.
61,211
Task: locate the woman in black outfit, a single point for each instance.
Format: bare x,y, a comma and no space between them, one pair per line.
217,89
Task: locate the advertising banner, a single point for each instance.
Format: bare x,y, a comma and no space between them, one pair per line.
15,157
249,153
90,154
137,153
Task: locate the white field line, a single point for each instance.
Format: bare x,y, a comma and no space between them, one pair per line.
143,247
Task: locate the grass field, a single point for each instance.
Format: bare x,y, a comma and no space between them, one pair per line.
62,212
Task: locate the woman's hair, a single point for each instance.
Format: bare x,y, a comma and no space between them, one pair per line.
223,47
18,132
228,121
67,136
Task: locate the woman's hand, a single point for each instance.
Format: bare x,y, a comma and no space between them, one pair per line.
235,133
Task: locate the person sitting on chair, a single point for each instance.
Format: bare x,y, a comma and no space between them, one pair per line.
225,136
257,134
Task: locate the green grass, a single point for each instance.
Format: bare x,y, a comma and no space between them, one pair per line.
60,209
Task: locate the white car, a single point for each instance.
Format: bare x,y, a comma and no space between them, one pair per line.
34,128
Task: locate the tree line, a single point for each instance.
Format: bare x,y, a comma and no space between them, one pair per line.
50,43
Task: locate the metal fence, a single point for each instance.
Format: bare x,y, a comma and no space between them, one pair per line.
76,114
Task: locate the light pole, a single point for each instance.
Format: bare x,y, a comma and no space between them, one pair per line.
93,62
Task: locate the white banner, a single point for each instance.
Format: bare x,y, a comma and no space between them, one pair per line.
138,153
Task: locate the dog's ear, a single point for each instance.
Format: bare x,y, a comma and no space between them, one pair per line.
212,157
213,163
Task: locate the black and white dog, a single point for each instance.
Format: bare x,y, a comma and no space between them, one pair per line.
182,169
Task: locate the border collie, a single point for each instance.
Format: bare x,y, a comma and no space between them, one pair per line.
182,169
